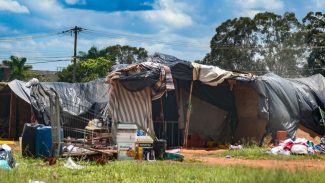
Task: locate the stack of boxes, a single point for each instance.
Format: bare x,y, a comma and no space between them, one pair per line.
132,145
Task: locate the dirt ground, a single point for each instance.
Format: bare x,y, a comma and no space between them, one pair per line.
203,156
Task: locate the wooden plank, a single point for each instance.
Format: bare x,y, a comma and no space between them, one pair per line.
12,116
188,115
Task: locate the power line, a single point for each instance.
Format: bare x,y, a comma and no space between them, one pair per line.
147,39
74,30
41,57
48,61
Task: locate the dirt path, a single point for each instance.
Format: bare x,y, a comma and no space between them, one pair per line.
203,156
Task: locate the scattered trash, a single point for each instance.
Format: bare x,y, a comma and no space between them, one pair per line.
51,160
228,156
54,175
300,146
279,150
233,147
173,156
72,165
7,161
4,165
35,181
174,151
299,149
32,82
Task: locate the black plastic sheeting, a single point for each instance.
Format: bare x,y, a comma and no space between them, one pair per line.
7,156
220,96
180,69
288,102
76,99
147,77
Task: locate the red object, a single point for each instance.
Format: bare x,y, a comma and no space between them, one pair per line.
281,135
194,141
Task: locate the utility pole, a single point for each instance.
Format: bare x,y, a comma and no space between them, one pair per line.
74,30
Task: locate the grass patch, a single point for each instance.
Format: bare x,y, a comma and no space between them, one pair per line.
159,171
255,152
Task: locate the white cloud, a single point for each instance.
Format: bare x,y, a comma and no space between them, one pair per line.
12,6
170,13
72,2
319,4
261,4
251,7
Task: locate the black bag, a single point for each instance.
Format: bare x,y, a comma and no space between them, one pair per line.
7,155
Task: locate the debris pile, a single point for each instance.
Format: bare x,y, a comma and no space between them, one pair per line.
299,146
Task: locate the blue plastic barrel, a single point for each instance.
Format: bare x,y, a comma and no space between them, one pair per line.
39,138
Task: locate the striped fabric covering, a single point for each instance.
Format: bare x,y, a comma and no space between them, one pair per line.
131,107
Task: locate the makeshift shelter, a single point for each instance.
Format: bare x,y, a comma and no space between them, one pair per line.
215,104
14,111
79,103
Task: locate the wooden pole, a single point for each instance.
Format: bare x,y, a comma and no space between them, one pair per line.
162,118
10,116
188,115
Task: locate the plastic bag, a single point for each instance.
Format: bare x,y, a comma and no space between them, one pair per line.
299,149
6,156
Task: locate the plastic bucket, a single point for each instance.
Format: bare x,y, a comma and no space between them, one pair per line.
281,135
159,146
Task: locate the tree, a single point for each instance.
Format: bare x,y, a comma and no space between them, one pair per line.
267,42
314,28
95,68
229,45
120,54
127,54
279,43
96,63
87,70
18,69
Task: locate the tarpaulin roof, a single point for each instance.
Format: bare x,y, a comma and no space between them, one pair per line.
75,98
288,102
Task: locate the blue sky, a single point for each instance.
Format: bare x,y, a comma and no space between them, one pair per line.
182,28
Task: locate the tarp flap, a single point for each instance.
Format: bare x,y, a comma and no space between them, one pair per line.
288,102
212,75
19,88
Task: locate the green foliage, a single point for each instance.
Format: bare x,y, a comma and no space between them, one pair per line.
314,24
96,63
41,77
18,67
269,42
95,68
87,70
117,53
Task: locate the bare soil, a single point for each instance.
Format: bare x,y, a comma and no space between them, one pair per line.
203,156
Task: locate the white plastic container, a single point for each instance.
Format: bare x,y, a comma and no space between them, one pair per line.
125,139
126,150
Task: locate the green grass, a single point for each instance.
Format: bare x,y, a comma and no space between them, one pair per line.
159,171
261,153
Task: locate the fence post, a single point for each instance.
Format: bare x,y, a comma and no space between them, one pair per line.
55,123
